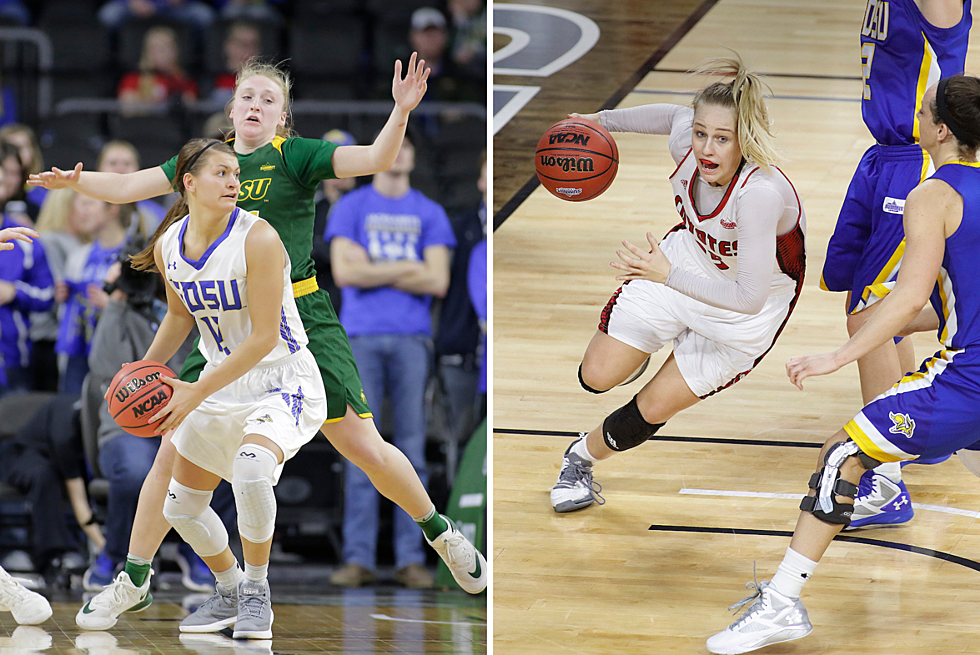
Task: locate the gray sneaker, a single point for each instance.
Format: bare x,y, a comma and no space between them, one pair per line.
575,488
217,612
771,619
255,615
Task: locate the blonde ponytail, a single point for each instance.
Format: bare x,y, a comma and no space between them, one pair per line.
746,95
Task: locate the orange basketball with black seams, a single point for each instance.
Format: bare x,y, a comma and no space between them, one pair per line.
576,159
136,393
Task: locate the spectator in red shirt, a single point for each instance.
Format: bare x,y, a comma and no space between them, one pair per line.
160,78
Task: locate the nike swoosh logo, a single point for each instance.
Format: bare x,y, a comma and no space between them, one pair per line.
86,610
476,574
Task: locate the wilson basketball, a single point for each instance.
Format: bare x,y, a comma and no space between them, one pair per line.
576,159
136,393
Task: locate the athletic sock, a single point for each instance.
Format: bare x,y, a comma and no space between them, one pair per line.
581,448
256,573
432,524
891,470
792,574
229,579
137,568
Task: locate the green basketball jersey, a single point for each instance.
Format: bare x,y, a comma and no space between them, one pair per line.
278,183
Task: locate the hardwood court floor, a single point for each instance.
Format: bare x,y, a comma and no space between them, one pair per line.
722,482
307,620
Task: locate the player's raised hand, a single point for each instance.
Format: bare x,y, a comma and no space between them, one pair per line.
56,178
800,368
408,92
20,233
640,265
589,117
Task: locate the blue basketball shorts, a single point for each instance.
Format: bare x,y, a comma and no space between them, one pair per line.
930,413
865,252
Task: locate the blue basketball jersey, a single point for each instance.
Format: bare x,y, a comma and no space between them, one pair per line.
902,55
956,297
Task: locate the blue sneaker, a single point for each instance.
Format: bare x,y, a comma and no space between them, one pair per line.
934,460
100,574
880,502
195,574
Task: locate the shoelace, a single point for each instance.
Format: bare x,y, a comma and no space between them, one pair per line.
584,474
459,556
253,605
111,596
757,588
11,592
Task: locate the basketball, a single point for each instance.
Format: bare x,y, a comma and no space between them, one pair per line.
576,159
136,393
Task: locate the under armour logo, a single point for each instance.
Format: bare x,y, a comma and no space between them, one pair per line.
904,500
172,265
795,616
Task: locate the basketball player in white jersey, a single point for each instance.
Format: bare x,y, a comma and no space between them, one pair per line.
260,397
720,286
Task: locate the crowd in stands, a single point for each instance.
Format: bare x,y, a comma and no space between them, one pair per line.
72,311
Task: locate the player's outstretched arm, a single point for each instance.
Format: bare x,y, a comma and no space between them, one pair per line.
352,161
928,210
19,233
116,188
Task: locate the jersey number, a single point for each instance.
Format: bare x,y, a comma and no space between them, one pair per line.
212,323
867,54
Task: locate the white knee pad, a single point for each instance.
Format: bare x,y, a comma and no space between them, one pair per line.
252,474
189,511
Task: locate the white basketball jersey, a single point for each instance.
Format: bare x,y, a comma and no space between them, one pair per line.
215,291
712,238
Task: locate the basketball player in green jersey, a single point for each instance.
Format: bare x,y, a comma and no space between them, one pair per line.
279,175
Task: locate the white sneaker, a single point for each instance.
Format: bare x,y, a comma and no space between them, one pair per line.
771,619
28,607
575,488
465,562
103,610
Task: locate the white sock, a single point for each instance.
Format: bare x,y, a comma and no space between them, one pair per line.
229,579
891,470
581,448
792,574
256,573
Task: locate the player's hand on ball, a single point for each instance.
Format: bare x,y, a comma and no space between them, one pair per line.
408,92
56,178
589,117
800,368
640,265
185,400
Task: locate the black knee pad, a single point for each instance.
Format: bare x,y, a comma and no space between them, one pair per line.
584,385
839,513
625,428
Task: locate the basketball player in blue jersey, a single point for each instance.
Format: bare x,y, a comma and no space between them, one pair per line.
927,414
260,397
906,45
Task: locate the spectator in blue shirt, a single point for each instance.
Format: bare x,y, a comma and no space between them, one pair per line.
477,277
25,286
82,293
390,255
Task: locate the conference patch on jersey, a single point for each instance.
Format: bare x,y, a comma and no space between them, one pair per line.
893,205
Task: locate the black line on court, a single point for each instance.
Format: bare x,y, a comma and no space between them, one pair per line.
803,76
664,437
919,550
522,194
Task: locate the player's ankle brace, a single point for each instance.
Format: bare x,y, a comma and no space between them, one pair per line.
828,484
252,475
584,385
626,428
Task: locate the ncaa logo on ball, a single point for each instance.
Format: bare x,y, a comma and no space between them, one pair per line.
156,400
